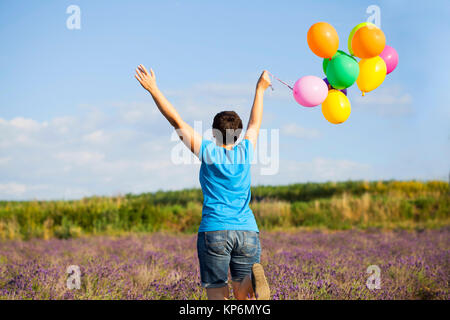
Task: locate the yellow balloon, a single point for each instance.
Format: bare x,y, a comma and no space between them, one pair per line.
336,107
372,72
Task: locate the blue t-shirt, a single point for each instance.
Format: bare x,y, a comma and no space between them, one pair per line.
225,180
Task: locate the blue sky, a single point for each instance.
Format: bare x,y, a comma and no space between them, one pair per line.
74,122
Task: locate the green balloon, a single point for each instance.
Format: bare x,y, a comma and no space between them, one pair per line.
325,61
342,71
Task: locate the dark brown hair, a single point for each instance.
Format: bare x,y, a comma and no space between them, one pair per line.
227,127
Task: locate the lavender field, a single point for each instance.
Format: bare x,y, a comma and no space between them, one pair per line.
299,265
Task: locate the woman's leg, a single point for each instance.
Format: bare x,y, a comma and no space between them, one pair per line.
244,265
245,253
243,290
218,293
214,258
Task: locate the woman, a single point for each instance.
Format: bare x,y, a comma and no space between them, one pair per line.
228,237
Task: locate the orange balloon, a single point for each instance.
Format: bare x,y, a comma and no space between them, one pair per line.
368,42
323,40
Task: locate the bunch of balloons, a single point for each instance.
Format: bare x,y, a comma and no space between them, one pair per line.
342,70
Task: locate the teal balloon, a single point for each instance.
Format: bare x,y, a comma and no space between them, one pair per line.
342,71
326,61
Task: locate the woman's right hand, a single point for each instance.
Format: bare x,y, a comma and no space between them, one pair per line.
146,79
264,80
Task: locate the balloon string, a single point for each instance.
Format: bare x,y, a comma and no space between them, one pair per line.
280,81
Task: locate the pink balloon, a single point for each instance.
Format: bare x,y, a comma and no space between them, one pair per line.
310,91
390,56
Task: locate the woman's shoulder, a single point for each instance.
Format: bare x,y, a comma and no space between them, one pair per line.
206,148
246,144
245,149
208,144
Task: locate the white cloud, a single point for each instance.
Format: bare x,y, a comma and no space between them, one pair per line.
27,124
4,160
63,124
103,150
12,189
155,165
387,101
331,169
97,136
299,132
137,112
17,131
318,169
80,157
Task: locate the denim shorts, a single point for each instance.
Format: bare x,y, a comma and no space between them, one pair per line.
219,250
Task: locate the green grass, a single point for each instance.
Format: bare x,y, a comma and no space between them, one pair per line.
337,206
